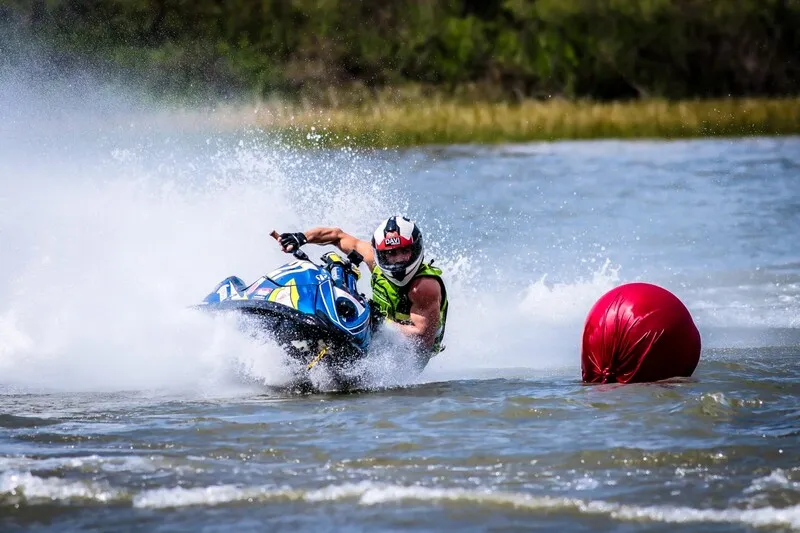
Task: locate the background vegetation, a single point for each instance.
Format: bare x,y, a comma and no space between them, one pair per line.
331,51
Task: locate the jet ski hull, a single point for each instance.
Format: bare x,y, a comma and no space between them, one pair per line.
313,312
303,337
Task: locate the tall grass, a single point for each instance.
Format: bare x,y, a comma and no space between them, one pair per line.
435,120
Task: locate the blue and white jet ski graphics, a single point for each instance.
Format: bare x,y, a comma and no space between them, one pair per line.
314,312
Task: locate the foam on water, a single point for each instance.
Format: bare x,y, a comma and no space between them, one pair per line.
17,487
28,489
370,493
90,463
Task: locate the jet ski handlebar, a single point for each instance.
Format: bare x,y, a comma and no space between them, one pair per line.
353,258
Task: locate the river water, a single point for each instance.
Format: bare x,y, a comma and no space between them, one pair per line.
122,410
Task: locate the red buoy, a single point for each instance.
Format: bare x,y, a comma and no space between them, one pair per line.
637,333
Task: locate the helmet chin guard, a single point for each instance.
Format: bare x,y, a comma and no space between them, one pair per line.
397,244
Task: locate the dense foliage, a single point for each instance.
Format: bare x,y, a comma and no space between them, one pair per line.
603,49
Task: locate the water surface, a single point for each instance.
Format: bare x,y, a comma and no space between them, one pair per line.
121,410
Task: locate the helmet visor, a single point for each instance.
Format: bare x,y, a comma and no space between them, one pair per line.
396,260
397,256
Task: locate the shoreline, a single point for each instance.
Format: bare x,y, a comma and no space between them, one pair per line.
438,121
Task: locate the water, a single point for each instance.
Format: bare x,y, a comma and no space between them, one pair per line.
121,410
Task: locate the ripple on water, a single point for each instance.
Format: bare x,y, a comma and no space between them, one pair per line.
16,422
27,490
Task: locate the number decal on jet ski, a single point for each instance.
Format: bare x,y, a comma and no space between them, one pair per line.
228,291
224,291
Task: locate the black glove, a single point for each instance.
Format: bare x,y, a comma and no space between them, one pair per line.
292,241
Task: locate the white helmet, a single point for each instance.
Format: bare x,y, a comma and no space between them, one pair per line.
397,244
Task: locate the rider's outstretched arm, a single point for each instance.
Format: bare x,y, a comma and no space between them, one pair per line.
344,241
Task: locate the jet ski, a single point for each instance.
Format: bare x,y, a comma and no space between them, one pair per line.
313,311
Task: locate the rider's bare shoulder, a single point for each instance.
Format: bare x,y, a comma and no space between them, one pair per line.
425,291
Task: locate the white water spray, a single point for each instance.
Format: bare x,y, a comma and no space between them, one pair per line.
111,225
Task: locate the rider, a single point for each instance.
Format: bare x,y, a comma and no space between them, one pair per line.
405,290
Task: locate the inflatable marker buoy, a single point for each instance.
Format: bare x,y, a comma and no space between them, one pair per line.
637,333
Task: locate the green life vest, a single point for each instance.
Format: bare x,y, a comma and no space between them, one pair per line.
393,302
